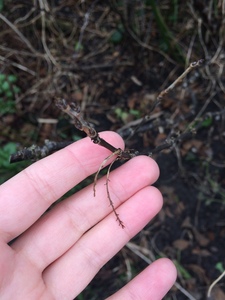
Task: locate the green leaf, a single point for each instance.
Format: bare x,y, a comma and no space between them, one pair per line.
9,94
12,78
135,112
78,47
8,170
184,273
7,106
2,77
219,266
10,148
1,5
5,152
5,86
116,37
207,122
16,89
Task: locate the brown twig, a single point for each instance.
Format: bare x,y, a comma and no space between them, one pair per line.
22,37
74,112
180,78
36,152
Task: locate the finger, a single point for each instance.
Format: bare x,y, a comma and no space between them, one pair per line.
25,197
153,283
70,219
100,244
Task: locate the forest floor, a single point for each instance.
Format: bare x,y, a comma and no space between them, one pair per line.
114,59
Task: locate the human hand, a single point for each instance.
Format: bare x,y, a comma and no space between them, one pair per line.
57,254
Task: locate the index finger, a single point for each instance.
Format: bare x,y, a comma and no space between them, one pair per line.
25,197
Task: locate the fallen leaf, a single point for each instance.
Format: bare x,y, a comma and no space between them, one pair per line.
181,244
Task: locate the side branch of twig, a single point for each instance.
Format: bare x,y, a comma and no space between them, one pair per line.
74,112
36,152
180,78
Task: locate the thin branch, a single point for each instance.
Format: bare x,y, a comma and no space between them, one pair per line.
163,93
44,7
180,78
74,112
85,24
214,283
19,66
35,152
22,37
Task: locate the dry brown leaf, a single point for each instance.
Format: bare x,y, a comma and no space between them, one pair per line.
181,244
200,238
201,252
217,294
199,271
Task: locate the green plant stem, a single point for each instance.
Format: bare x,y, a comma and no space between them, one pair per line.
166,33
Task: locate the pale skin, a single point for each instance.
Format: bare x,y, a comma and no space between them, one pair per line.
56,255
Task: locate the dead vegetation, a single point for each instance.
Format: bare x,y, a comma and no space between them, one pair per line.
113,59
